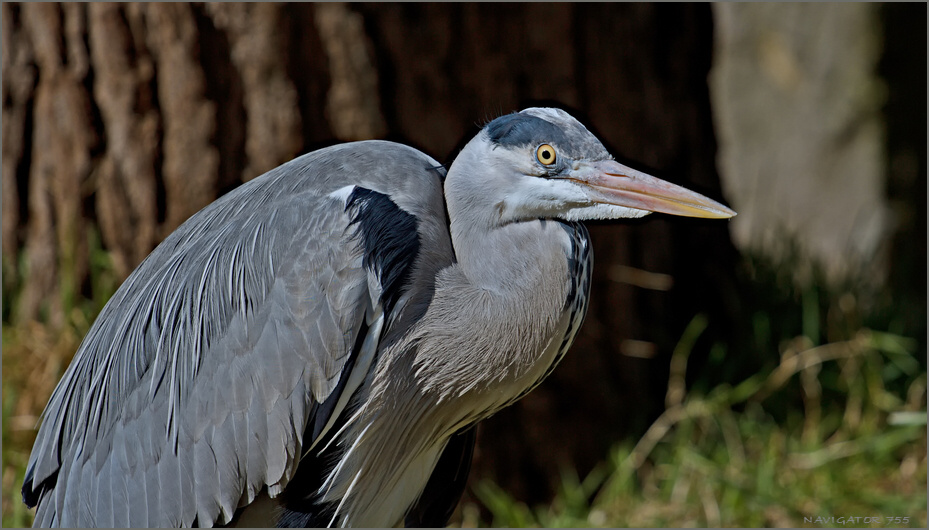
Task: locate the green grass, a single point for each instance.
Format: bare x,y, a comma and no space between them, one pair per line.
724,459
34,358
15,514
816,418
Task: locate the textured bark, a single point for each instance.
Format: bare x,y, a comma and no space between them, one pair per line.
353,105
126,183
190,166
18,87
258,51
62,142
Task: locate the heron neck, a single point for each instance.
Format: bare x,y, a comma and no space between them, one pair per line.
513,257
494,255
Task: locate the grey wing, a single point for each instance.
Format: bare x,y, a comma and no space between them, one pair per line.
194,387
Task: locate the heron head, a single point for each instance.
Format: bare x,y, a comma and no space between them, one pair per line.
543,163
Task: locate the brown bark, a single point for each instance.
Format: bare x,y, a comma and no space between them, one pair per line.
62,142
258,52
169,105
190,164
18,87
353,105
125,184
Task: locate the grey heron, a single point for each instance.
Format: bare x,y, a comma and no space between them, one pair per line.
321,341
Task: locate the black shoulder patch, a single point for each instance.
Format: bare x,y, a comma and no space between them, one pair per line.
390,239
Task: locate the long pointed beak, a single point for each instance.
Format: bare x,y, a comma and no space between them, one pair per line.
613,183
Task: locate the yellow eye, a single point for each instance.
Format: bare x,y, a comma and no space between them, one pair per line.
545,154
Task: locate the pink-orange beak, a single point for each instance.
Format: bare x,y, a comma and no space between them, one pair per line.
613,183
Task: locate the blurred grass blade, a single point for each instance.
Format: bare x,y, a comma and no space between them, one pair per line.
907,418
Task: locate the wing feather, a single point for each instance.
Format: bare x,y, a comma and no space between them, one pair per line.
193,389
118,487
204,469
103,502
228,468
257,418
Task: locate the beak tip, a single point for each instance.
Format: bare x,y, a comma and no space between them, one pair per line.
717,210
616,184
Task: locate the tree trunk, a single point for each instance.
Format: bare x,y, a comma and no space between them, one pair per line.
128,118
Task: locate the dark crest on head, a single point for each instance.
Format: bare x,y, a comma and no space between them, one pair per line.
522,129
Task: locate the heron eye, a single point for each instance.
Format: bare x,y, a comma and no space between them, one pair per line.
545,154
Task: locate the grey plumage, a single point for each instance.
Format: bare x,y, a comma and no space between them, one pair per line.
319,334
